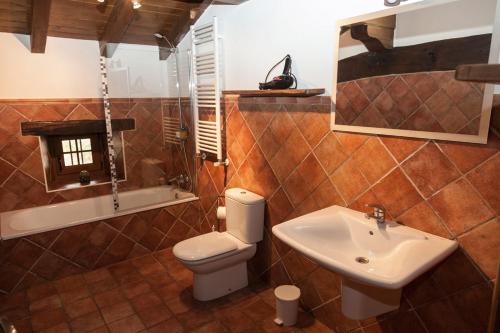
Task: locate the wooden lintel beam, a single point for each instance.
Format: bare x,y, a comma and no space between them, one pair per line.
483,73
118,23
360,32
39,25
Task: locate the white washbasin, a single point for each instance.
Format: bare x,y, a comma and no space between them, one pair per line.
340,239
335,236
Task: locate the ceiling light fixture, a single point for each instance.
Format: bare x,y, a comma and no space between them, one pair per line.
136,4
392,2
101,1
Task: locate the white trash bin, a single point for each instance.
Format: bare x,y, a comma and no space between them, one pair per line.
287,305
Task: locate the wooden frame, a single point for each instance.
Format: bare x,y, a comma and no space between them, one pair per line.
69,174
54,187
482,137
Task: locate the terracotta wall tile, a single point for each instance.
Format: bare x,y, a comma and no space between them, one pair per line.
373,160
483,245
430,158
396,193
349,181
486,180
460,207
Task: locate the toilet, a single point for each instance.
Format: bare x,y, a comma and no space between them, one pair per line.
219,259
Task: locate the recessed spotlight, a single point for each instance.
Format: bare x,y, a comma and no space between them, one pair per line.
101,1
136,4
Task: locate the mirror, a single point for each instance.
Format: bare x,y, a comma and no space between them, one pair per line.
395,73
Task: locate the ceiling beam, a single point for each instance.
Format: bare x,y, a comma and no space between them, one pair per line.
229,2
116,27
39,25
181,28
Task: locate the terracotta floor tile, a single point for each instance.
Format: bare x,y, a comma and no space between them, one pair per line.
212,327
170,291
130,324
172,326
194,319
460,207
61,328
430,170
47,318
80,308
483,245
108,298
116,311
236,321
48,303
101,286
41,291
258,310
144,301
87,323
75,294
132,290
154,315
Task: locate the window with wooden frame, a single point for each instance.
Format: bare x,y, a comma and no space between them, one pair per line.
69,155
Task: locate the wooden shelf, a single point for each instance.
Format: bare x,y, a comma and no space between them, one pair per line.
74,127
276,93
483,73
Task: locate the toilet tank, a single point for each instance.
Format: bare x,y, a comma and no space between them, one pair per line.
245,215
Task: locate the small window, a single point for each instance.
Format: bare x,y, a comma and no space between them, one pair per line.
77,152
69,155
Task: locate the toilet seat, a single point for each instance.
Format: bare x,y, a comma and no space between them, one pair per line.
204,247
241,252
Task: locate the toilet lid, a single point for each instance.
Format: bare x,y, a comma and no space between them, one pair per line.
204,246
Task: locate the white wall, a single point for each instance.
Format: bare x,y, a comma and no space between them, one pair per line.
258,33
69,68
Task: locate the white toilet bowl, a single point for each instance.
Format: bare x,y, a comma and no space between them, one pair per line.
219,260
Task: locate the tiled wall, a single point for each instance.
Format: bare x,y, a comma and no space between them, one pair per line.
427,101
284,150
21,173
31,260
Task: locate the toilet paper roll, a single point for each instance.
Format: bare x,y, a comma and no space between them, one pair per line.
221,213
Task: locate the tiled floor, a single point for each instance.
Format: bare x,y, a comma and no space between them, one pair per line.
140,296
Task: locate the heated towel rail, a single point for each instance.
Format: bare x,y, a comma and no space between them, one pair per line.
206,90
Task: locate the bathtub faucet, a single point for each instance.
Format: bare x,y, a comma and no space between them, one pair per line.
179,180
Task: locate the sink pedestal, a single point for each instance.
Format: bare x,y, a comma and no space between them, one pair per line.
360,301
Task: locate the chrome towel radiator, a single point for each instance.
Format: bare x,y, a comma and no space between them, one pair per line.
206,90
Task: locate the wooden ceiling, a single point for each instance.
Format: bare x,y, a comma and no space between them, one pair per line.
114,21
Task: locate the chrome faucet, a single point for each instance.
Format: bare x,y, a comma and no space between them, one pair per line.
378,214
179,180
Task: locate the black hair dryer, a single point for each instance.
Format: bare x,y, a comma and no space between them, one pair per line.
283,81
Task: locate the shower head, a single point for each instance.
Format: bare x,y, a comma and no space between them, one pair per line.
160,36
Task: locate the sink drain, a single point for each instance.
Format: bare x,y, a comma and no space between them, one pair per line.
362,260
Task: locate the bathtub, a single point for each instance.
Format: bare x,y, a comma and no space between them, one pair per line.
30,221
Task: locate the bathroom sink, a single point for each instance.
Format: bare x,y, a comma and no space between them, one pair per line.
345,241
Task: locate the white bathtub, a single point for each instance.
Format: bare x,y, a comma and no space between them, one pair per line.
30,221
